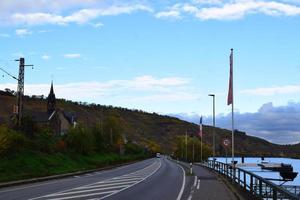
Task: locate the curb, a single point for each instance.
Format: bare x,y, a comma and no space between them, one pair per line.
53,177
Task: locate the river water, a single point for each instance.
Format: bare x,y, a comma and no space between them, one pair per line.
266,173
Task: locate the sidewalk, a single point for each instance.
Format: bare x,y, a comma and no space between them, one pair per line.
208,186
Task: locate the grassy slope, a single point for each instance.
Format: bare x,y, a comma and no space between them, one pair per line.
32,164
144,127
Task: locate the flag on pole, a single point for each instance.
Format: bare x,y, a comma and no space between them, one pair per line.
200,127
230,102
230,91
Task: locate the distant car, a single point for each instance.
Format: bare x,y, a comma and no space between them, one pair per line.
157,155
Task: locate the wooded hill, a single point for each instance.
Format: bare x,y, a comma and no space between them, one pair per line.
150,129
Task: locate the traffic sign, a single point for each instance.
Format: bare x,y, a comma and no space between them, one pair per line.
226,142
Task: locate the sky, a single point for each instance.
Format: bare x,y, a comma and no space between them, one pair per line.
163,56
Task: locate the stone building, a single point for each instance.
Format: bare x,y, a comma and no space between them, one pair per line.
56,119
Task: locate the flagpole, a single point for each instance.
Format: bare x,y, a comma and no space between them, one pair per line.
232,107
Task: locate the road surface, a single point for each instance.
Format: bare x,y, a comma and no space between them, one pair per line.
156,178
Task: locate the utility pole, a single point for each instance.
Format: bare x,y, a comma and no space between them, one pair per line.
20,90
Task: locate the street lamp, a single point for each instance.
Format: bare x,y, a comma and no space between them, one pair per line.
214,124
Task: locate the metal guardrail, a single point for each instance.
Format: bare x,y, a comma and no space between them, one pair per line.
257,186
293,189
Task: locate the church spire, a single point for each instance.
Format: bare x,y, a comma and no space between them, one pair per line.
51,89
51,105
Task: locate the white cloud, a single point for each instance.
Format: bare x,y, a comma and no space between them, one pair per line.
27,6
97,25
137,90
45,57
208,1
269,91
231,10
22,32
80,17
275,124
44,31
4,35
238,10
151,83
171,13
38,12
168,14
72,55
167,97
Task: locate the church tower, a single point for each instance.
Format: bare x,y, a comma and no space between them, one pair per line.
51,105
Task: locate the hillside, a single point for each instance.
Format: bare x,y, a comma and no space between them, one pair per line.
146,128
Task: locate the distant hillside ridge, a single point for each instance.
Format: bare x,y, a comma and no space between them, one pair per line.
150,128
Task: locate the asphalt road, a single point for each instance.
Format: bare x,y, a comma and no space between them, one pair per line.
156,178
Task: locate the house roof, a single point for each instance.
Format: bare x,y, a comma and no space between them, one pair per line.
37,116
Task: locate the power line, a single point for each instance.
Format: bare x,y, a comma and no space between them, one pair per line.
9,74
20,91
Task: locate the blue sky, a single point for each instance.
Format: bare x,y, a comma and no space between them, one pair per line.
159,57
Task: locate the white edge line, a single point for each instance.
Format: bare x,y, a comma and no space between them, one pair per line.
195,181
135,183
182,186
62,179
91,183
53,181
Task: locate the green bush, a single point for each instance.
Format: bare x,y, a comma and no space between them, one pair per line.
44,141
193,144
80,140
99,139
131,148
11,141
111,134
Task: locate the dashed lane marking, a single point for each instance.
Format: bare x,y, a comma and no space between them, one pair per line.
195,181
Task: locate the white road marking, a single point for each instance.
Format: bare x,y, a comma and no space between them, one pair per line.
88,175
86,195
120,180
113,185
195,181
87,190
137,182
128,177
182,186
101,185
56,181
198,185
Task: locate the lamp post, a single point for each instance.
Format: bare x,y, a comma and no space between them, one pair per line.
214,124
